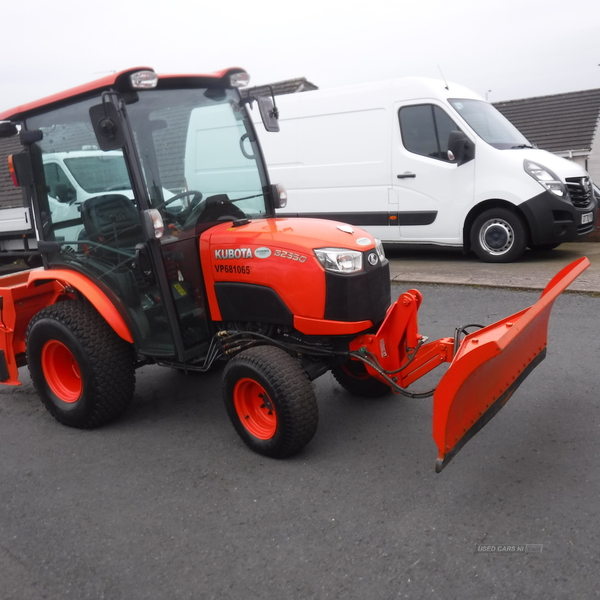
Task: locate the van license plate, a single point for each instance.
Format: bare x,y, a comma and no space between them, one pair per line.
587,218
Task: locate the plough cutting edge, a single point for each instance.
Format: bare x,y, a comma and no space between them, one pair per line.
487,366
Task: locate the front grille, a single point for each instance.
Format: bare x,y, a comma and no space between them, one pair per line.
580,190
584,229
363,296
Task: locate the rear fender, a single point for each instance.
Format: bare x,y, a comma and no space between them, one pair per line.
24,294
101,302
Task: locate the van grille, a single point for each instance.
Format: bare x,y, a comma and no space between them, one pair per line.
580,190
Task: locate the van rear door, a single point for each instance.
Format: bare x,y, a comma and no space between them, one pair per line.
434,193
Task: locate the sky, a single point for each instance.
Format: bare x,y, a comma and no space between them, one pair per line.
502,50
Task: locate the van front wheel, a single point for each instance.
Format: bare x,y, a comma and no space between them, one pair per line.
498,236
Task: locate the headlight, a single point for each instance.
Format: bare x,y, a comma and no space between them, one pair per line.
339,260
546,178
379,249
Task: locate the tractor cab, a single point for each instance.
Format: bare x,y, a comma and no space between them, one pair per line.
159,166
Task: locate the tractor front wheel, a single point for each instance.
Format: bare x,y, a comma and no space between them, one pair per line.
353,377
270,401
82,370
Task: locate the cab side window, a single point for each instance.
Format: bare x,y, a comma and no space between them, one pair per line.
425,129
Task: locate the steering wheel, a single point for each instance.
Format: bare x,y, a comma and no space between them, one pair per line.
123,185
197,197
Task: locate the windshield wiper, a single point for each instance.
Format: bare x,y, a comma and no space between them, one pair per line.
521,146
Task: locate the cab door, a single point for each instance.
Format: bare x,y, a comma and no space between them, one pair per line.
434,192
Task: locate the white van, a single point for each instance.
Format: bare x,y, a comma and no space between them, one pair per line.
73,177
420,161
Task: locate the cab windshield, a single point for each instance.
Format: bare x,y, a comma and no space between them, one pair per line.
197,156
194,144
192,157
489,124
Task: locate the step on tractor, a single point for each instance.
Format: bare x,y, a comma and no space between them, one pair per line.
174,256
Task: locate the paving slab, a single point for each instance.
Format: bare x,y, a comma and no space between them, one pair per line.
430,264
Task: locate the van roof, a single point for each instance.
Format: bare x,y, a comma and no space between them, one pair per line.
400,88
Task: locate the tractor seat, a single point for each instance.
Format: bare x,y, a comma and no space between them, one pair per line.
111,220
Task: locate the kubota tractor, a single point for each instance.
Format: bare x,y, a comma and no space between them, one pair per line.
174,256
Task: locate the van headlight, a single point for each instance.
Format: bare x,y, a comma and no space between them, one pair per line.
546,178
339,260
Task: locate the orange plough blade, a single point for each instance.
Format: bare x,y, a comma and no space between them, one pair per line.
489,366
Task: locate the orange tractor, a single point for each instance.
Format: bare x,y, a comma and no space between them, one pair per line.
158,242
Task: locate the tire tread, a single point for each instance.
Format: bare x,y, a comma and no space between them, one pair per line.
287,379
111,357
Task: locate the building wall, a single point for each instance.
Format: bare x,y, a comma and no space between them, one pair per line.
10,196
593,166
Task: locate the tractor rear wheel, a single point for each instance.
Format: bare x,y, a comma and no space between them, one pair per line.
353,377
270,401
82,370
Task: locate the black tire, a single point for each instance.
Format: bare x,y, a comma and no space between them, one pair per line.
82,370
498,235
270,401
353,377
544,247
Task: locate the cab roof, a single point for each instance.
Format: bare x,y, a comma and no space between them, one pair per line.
118,81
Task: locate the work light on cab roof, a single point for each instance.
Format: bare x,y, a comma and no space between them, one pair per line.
143,80
239,80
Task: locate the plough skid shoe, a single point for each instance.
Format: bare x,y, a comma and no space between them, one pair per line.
489,366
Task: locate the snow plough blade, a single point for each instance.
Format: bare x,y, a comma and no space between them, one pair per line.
489,366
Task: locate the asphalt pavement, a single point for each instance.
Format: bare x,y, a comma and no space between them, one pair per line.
431,264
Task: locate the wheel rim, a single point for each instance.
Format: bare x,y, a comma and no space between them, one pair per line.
496,236
255,409
356,370
61,371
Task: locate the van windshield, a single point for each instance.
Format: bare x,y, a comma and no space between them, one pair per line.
489,124
98,171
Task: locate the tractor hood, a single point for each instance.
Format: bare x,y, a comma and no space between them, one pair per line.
294,234
301,269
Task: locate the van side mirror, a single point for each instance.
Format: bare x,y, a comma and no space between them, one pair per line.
460,148
268,113
65,193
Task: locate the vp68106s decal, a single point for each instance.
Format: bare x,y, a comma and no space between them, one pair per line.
239,269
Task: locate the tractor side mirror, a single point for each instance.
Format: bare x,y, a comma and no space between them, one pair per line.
268,113
107,126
